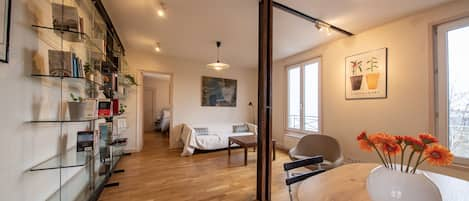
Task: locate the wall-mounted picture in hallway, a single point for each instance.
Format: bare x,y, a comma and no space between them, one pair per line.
366,75
5,7
219,92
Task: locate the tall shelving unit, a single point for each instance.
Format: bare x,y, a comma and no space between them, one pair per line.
88,65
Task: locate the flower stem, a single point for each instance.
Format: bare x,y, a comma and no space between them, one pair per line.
408,162
418,162
380,157
390,161
402,157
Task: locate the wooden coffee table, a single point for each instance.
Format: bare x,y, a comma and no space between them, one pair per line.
246,142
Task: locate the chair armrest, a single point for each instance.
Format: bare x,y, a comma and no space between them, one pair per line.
302,177
304,162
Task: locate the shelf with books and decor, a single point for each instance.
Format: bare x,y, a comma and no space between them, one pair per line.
79,51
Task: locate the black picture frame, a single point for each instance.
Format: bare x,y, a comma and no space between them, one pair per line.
5,45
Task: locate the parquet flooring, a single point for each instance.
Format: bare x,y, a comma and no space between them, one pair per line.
160,174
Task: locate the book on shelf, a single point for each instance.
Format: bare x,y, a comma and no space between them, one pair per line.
85,139
60,63
66,18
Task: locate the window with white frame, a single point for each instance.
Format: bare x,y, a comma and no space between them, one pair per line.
452,87
303,111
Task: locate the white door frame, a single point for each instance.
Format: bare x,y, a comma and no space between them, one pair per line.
140,92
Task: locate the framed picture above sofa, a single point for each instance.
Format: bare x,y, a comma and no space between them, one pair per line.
219,92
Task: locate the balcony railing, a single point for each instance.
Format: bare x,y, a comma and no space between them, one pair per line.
311,123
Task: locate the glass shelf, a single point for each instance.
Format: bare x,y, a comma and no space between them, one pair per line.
69,159
63,121
83,79
80,37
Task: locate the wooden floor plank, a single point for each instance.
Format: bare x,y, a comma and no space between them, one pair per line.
160,174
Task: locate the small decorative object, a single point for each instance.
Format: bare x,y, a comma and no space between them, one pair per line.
396,179
366,75
115,106
89,71
218,92
122,108
77,107
104,108
5,9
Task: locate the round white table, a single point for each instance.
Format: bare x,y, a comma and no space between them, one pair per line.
348,183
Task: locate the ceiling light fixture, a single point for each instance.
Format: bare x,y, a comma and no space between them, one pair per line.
158,47
218,65
321,26
162,9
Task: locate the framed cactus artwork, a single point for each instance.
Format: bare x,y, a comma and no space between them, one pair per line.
366,75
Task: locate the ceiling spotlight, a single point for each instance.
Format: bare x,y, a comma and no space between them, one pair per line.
321,26
218,66
158,47
162,9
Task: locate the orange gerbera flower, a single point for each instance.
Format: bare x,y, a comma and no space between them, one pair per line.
365,145
428,138
439,155
418,145
362,136
382,138
391,148
408,140
399,139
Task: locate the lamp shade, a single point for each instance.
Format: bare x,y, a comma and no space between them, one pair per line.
218,65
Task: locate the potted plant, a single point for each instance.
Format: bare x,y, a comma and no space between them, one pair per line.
372,77
399,174
76,107
89,71
129,80
355,79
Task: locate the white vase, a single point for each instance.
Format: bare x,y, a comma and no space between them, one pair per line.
384,184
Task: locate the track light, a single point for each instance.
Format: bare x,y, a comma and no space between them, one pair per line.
158,47
323,27
161,10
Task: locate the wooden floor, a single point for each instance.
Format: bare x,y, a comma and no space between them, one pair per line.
160,174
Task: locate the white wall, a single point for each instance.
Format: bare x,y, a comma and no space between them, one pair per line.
186,89
161,88
408,108
24,98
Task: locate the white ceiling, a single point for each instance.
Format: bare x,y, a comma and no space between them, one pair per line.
192,26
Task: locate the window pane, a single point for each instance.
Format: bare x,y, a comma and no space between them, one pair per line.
294,100
458,91
311,97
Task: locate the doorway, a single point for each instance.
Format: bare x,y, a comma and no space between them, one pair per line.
156,104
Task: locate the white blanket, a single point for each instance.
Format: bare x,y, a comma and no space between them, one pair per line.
216,139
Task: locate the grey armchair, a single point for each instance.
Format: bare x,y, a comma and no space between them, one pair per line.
314,145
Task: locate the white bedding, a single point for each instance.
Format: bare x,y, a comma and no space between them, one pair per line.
216,139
